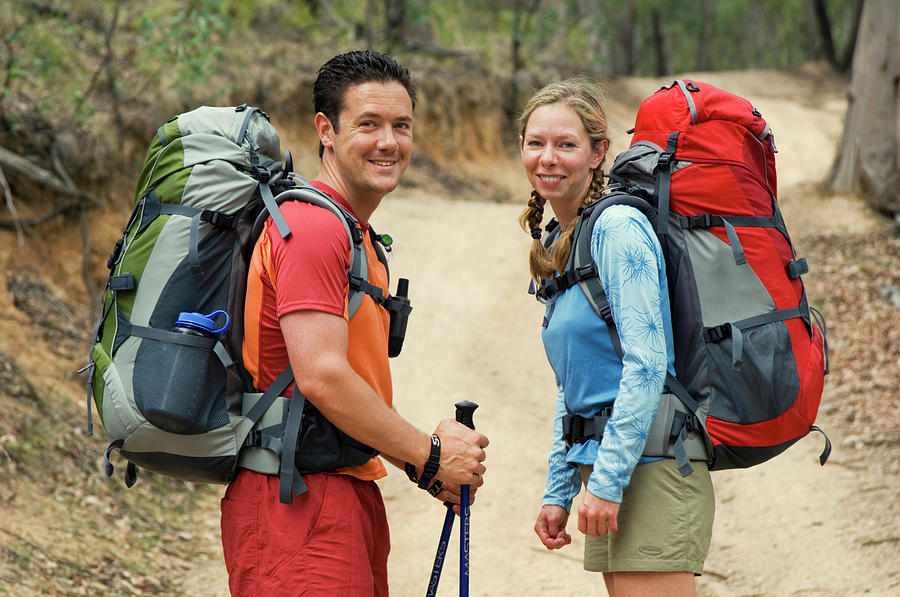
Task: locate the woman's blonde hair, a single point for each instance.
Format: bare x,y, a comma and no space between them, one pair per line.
585,97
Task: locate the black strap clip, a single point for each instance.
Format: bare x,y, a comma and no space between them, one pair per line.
548,289
584,272
665,160
114,256
254,439
606,313
699,221
797,268
218,218
718,333
262,173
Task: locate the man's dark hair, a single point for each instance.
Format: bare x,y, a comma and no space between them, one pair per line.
353,68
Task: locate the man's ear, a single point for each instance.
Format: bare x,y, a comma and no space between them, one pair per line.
324,129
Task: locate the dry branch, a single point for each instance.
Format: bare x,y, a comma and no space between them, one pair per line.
13,162
7,193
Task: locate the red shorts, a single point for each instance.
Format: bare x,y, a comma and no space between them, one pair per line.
333,540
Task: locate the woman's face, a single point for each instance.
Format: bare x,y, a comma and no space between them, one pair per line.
558,156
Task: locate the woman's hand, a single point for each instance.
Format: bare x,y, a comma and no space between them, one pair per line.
551,527
597,516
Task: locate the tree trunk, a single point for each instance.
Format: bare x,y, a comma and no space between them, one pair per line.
523,11
842,63
370,28
394,24
868,161
704,34
626,38
659,45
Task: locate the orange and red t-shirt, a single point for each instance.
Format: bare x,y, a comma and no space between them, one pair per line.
308,270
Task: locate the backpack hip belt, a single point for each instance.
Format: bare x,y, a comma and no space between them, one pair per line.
291,438
672,417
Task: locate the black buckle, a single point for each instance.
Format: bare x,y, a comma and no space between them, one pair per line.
547,290
700,221
124,281
606,313
254,439
665,159
718,333
577,429
262,174
584,272
692,423
217,218
355,282
114,256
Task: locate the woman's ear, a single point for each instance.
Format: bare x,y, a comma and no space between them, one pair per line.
599,154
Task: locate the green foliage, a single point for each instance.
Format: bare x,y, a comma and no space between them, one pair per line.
183,49
69,60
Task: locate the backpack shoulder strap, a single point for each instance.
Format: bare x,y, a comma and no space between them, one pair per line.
580,268
581,263
359,264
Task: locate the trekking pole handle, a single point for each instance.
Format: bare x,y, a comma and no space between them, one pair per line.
464,412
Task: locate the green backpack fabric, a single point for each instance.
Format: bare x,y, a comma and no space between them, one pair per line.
170,402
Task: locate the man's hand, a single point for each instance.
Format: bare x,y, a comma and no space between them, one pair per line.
597,516
462,454
551,527
450,494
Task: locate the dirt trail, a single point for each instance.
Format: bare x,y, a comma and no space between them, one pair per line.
788,527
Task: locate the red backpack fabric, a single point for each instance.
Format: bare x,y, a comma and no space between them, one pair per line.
748,348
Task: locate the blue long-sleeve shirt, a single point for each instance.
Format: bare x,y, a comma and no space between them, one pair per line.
589,373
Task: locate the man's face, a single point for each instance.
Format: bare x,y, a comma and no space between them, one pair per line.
372,144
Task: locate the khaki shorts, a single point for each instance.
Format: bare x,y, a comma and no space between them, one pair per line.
665,522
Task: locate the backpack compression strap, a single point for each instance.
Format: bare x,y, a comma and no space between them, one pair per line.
265,174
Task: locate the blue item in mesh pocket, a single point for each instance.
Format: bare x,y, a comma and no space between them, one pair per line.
202,323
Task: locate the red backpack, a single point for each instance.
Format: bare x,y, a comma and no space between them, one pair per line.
750,353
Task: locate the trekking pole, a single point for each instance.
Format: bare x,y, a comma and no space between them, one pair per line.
464,412
441,551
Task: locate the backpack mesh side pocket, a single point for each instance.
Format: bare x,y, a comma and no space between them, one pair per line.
763,385
180,388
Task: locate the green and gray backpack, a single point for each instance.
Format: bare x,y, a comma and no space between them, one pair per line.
165,367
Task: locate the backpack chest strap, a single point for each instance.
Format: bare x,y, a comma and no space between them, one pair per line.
554,286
